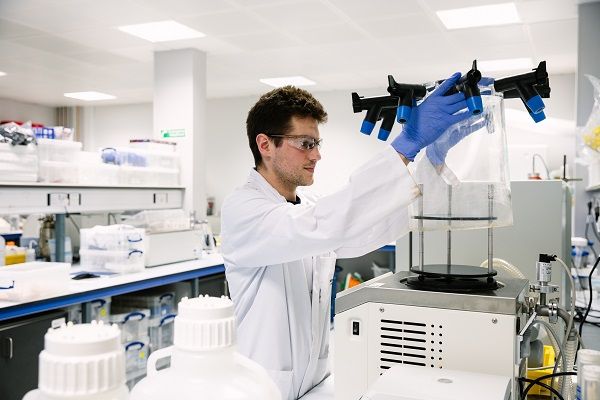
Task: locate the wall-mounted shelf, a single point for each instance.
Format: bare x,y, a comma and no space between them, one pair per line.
28,198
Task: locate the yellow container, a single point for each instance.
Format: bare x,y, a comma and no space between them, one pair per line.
17,258
535,374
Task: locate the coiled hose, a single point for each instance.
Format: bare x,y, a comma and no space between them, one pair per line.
502,265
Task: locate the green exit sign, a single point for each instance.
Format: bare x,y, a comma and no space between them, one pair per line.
172,133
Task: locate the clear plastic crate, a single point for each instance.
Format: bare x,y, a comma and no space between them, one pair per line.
161,330
133,324
120,261
33,280
113,238
58,150
92,171
136,357
18,163
156,221
137,157
58,172
140,176
160,303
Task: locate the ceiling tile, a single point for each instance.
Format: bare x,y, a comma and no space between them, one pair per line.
337,33
103,38
179,8
294,16
226,23
360,9
484,37
402,26
546,10
10,29
262,41
52,44
557,37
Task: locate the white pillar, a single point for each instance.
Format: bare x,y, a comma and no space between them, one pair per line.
588,57
179,115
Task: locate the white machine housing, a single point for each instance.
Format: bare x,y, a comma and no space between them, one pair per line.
405,382
171,247
382,323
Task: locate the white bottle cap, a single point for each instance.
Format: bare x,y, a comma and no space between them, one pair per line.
81,360
579,241
588,356
591,373
204,323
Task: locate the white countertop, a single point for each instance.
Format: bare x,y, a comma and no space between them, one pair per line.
106,281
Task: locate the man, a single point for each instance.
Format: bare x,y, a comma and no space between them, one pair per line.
280,249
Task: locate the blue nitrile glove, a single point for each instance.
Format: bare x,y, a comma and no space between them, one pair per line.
430,119
438,150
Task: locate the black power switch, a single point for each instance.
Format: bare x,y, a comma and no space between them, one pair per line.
355,328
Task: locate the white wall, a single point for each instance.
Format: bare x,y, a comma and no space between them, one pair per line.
344,149
109,126
16,110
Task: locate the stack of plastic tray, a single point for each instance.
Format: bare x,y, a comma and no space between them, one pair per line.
92,171
162,313
156,221
144,167
58,161
99,311
116,248
134,336
18,163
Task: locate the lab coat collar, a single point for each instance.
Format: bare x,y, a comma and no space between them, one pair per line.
258,181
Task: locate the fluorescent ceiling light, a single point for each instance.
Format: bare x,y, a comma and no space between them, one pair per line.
2,73
470,17
509,64
89,96
161,31
287,80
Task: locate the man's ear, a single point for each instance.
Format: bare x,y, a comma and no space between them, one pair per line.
264,145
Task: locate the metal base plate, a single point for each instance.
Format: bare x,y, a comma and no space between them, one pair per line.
452,278
453,271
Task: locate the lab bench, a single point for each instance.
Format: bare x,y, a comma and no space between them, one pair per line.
23,324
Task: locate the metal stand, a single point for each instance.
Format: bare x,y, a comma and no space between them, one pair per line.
59,237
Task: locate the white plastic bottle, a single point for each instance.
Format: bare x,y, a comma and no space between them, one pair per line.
204,363
591,382
81,362
585,357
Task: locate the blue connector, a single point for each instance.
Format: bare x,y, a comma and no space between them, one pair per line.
535,104
383,134
538,117
403,113
475,104
367,127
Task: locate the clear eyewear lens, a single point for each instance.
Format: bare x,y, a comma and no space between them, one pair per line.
306,144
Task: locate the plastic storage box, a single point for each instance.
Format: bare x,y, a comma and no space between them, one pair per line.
133,324
161,330
156,221
33,280
58,150
58,172
119,261
136,356
18,163
112,238
160,303
137,157
162,146
92,171
141,176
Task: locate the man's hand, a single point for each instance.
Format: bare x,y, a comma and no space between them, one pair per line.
438,150
430,119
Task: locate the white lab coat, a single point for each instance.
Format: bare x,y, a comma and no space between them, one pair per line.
280,258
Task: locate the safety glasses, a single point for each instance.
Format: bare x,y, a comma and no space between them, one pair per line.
306,143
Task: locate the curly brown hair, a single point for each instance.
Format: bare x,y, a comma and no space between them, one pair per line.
272,114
